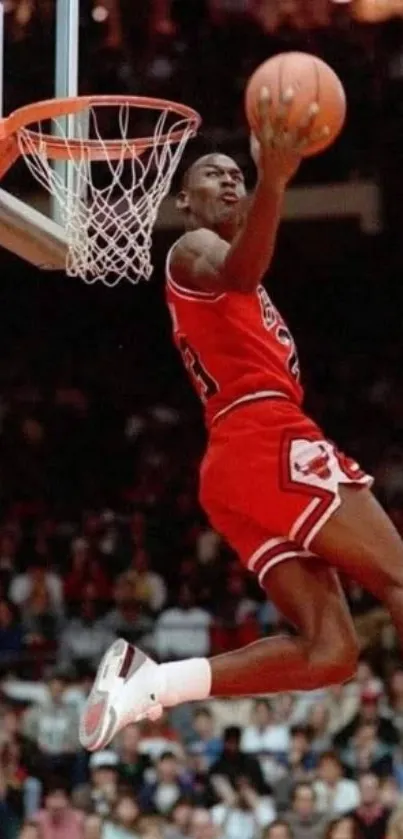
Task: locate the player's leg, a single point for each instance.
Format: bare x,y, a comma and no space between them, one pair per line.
360,540
324,652
130,686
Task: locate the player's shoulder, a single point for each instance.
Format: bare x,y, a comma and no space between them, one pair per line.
195,261
193,243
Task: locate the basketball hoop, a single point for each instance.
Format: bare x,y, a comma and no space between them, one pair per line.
115,181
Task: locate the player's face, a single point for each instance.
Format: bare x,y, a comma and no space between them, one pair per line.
215,193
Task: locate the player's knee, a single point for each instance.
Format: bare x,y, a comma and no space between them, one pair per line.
334,663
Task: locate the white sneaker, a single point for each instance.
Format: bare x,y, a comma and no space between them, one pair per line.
123,692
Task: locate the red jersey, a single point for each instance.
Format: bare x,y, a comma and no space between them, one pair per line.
236,347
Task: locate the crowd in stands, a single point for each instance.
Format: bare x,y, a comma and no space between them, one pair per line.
141,561
326,765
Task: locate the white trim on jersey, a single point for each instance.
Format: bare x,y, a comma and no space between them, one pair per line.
250,397
284,551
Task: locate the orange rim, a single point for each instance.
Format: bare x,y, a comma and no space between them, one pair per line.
62,148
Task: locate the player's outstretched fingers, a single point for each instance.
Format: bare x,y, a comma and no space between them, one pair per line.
266,131
316,136
305,125
286,99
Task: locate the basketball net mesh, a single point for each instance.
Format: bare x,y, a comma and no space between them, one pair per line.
108,227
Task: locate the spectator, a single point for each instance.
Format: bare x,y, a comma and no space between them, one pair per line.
390,793
369,712
395,825
180,819
41,624
58,819
234,763
24,792
150,827
92,827
342,703
8,553
342,828
85,638
231,712
11,634
366,753
11,804
304,819
236,622
265,734
127,619
279,829
29,830
336,794
299,766
202,825
149,587
205,743
395,690
85,568
23,752
132,764
301,755
25,585
242,812
184,629
52,726
371,816
169,786
318,720
123,821
99,795
158,737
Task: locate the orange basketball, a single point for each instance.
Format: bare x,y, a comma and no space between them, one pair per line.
312,81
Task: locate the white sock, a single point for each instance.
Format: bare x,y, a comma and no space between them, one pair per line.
183,681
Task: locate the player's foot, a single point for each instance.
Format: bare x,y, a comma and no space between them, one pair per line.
123,692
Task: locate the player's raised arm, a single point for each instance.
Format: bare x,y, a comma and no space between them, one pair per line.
231,247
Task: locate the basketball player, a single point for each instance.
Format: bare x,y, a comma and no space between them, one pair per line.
291,505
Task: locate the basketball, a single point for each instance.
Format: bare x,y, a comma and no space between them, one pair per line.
312,81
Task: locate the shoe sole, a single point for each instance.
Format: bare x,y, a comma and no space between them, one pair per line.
99,719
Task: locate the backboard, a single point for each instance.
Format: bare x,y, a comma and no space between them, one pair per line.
35,234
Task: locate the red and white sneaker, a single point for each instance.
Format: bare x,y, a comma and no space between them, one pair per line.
123,692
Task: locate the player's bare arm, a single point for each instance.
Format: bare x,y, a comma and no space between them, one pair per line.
236,258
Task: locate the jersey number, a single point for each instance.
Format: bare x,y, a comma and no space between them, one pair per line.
284,337
206,385
271,318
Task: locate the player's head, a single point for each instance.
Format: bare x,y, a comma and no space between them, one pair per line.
213,194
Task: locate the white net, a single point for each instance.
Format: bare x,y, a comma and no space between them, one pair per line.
108,207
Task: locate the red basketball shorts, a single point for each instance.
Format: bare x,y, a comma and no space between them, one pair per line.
270,480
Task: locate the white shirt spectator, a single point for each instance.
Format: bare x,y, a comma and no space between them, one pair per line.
273,738
268,732
22,585
230,711
338,799
84,640
182,633
154,747
243,824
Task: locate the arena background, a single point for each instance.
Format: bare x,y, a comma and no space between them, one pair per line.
100,437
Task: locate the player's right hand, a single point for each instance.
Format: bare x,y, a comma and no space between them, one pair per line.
277,149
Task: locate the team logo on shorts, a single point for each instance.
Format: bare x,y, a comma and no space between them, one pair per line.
312,461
